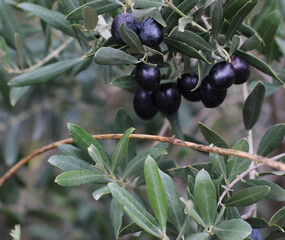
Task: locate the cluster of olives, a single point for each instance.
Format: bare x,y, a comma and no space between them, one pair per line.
152,96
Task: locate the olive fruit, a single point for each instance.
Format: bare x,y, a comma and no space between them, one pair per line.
211,97
150,32
222,75
131,23
255,235
147,77
168,98
144,104
242,69
186,83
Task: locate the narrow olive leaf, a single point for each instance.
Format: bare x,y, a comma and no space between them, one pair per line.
141,13
100,6
271,139
175,125
112,56
135,210
278,217
94,153
183,172
258,63
235,44
11,145
182,22
199,236
239,18
90,18
185,227
234,229
127,82
212,137
253,42
130,228
97,194
257,222
69,163
83,140
68,149
248,196
281,44
198,218
192,39
205,197
238,165
252,106
4,52
135,166
116,216
17,92
121,149
19,49
53,18
130,38
45,73
79,177
217,18
155,191
276,193
233,7
184,49
218,162
156,15
69,5
148,3
174,209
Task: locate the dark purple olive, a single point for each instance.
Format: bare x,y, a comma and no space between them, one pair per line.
242,69
222,75
210,96
147,77
186,83
168,98
131,23
144,104
150,33
255,235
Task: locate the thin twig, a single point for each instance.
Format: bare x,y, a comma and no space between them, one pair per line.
221,151
277,157
52,55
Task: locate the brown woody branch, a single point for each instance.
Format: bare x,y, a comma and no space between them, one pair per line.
221,151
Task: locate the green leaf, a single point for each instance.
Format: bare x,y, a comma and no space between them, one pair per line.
182,22
174,210
237,165
252,43
69,163
192,39
278,217
135,210
155,191
68,149
135,166
184,49
130,38
199,236
212,137
100,192
218,162
121,149
69,5
198,218
53,18
79,177
112,56
90,18
281,44
142,13
183,172
156,15
94,153
127,82
248,196
235,44
83,140
258,63
100,6
271,139
17,92
175,125
217,18
205,197
252,106
234,229
45,73
148,3
257,222
276,192
4,52
116,215
238,19
233,7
